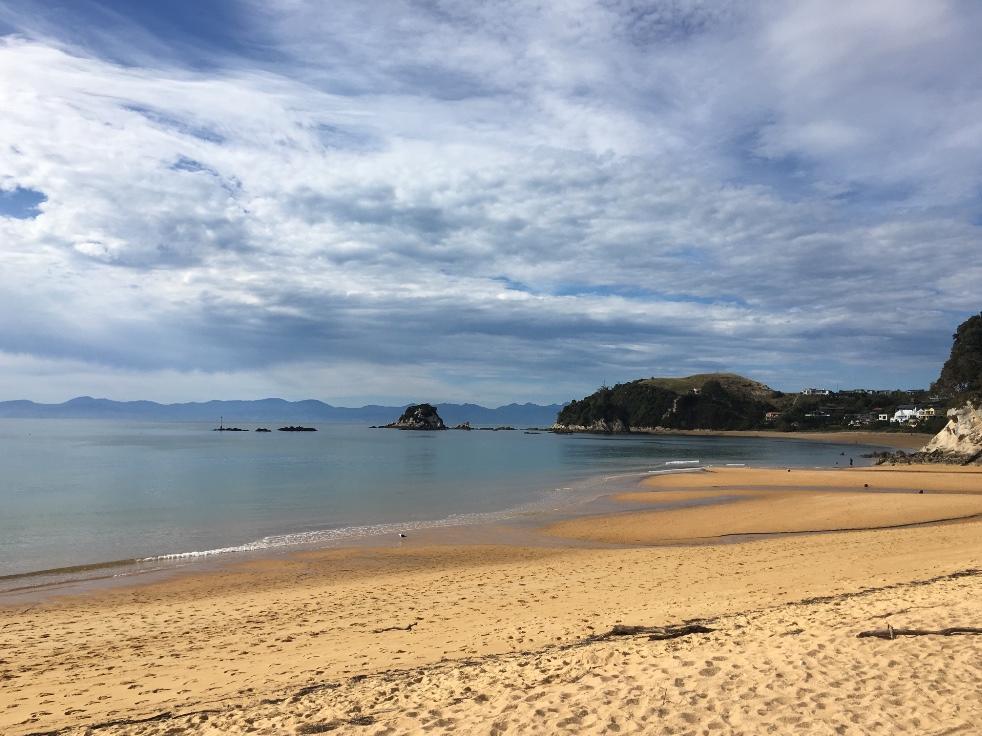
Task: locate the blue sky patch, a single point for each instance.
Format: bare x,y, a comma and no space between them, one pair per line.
21,204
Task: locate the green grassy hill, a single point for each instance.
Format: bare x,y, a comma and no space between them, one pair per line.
703,401
723,401
732,382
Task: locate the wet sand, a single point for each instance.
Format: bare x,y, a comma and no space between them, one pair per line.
498,638
896,440
774,501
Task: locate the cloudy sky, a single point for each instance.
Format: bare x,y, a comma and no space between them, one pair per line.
496,201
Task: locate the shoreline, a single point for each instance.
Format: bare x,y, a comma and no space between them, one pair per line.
38,584
319,637
894,440
767,502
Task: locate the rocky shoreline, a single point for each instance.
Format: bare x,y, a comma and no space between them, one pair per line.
958,443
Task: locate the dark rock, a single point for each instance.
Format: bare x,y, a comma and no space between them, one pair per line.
465,426
935,457
418,417
296,429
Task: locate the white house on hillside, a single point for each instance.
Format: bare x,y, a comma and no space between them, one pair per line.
905,414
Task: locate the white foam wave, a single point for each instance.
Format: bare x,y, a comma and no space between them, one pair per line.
326,537
675,471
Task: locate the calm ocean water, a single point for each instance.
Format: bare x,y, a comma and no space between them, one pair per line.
79,492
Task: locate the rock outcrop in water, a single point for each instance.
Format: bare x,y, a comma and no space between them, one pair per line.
598,425
418,417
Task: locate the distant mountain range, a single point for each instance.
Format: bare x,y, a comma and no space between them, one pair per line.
273,410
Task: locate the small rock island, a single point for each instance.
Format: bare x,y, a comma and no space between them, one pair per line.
418,417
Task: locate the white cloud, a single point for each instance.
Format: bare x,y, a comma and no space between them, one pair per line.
496,199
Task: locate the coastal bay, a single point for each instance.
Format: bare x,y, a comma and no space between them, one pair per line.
87,493
490,368
446,637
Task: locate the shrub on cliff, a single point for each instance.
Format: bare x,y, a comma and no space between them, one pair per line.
961,376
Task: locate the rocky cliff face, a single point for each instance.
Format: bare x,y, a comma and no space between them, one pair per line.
961,437
418,417
959,443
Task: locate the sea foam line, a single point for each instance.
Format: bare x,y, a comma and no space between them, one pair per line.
323,537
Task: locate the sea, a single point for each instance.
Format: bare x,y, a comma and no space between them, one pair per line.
79,497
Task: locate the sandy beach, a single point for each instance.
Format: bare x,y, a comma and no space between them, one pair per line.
510,639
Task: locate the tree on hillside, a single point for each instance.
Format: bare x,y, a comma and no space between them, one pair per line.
961,375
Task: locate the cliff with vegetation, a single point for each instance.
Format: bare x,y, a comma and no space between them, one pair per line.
960,440
726,401
719,401
961,375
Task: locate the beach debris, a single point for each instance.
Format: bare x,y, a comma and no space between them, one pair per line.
655,633
395,628
403,535
337,723
891,633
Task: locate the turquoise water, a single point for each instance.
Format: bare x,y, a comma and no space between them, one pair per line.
81,492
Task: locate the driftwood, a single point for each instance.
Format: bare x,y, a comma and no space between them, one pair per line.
891,633
395,628
167,715
655,633
307,728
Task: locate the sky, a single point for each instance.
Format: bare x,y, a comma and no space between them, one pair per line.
500,201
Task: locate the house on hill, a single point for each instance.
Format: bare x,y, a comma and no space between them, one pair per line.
815,392
905,413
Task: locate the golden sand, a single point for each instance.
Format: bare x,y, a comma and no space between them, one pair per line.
776,501
496,639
